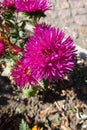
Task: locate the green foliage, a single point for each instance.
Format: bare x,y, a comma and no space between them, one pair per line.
20,110
23,125
14,33
46,123
30,92
44,84
11,22
21,24
8,14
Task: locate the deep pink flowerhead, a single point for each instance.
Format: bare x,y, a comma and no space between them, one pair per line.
2,47
22,74
9,3
50,55
32,5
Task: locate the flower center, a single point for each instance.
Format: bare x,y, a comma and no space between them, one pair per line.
47,52
27,71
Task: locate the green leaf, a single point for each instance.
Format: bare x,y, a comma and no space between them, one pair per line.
14,33
30,22
44,84
19,110
21,33
13,40
30,92
8,14
26,13
23,125
21,24
11,22
46,123
86,81
38,14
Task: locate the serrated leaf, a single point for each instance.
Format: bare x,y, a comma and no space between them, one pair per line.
23,125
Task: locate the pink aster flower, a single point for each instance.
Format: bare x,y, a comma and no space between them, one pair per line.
9,3
2,47
50,54
32,5
22,73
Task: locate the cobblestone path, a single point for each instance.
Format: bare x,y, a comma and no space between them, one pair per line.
71,16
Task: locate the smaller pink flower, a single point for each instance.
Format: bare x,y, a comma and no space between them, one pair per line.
2,47
22,73
15,49
32,6
9,3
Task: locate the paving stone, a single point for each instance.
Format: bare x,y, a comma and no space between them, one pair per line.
58,18
64,13
83,31
61,4
65,16
82,42
81,19
76,3
78,11
72,30
85,2
51,18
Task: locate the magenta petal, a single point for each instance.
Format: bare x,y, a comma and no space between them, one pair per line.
32,5
49,53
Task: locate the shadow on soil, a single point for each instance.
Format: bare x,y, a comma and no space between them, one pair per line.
5,89
4,83
77,80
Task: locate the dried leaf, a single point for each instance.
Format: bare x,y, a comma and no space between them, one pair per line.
65,124
65,128
46,111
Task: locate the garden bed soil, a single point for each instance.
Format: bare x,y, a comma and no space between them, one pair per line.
62,106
